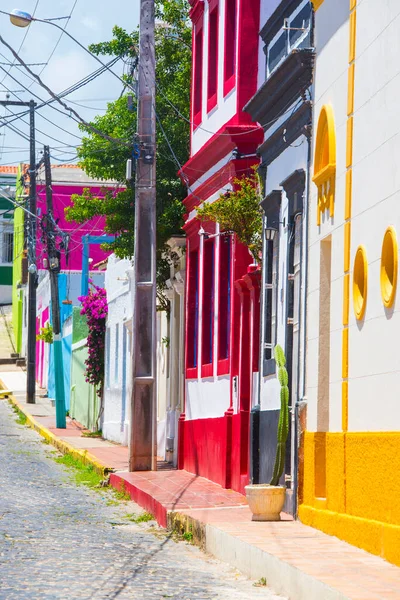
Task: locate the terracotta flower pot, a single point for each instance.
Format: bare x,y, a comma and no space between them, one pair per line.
265,501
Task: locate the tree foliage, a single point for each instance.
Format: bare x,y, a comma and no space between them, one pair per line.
239,211
104,159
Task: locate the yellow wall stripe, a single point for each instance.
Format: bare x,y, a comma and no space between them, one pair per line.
349,142
346,298
345,405
350,90
345,353
349,190
347,230
352,46
348,211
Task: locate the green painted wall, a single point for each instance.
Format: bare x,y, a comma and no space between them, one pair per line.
84,402
6,275
17,265
80,328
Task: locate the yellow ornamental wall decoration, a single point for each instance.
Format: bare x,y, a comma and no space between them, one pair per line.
389,267
325,162
360,282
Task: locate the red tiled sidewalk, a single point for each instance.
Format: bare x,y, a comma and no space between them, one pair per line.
162,491
297,561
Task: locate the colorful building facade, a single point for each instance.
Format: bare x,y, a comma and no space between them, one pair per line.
8,179
282,105
66,181
222,290
352,431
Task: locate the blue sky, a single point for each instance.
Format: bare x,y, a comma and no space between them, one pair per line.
91,21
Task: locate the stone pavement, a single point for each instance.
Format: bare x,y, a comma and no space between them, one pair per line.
298,561
59,541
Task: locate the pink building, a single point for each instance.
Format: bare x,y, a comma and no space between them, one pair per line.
66,181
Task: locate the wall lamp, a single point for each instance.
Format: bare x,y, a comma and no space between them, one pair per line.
270,233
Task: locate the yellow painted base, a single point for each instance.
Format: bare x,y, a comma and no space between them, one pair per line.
362,491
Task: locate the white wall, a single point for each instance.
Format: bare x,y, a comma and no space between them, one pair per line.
226,107
374,360
330,87
117,360
208,398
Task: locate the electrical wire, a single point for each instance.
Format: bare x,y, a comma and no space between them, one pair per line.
59,39
63,104
65,92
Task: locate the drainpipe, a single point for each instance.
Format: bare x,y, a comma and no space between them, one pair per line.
255,411
300,398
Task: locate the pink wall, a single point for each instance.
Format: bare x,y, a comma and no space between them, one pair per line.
62,199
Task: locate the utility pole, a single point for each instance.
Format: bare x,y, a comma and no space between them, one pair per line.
142,448
32,268
54,269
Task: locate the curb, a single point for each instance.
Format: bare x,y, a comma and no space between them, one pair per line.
144,499
169,519
63,447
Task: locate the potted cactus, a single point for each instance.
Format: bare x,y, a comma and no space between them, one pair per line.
266,500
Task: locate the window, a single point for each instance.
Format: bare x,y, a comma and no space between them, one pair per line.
224,300
270,303
207,306
360,282
325,162
116,356
193,310
389,266
230,45
212,58
108,358
7,247
295,33
198,74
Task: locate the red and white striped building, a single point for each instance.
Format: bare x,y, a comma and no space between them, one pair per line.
222,288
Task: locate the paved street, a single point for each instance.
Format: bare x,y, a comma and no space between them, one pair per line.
60,540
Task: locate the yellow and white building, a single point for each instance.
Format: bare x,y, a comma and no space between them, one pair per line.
350,448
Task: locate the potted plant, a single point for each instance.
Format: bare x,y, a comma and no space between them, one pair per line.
266,500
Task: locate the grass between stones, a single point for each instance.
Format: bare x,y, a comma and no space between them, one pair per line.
21,418
84,474
142,518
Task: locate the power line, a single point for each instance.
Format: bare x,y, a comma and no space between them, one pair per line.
71,89
63,104
59,39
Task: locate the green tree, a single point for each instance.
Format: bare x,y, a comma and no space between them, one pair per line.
239,211
104,159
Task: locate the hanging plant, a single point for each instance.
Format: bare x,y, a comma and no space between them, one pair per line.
95,307
239,211
45,334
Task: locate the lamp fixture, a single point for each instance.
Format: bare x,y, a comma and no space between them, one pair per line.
270,233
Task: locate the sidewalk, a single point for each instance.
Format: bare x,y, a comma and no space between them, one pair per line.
300,562
6,338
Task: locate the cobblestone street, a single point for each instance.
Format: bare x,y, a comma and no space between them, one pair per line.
60,540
